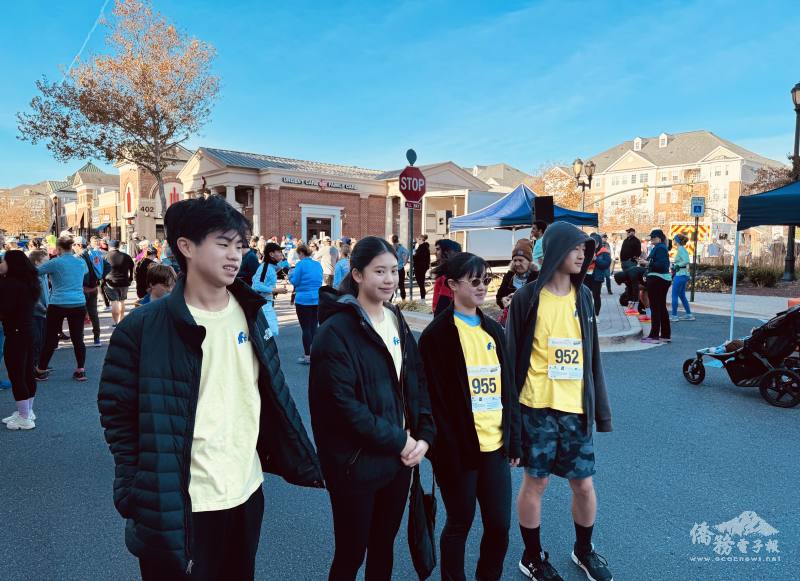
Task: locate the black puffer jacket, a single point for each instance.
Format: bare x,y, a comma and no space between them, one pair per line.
148,399
457,446
356,399
507,285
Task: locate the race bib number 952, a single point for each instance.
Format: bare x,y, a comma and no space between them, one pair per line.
564,358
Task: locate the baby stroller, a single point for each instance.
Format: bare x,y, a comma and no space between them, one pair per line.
768,359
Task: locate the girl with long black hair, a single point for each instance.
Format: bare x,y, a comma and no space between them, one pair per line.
370,410
442,295
19,291
265,282
476,409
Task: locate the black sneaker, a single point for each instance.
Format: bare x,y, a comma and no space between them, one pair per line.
41,375
594,565
538,570
63,337
79,375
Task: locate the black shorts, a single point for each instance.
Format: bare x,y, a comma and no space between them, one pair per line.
116,293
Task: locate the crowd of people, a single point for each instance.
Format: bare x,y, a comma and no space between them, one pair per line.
476,399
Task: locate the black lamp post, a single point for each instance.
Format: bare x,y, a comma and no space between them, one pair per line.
588,169
788,273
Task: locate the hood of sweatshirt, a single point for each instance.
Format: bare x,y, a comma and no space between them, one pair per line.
332,301
558,241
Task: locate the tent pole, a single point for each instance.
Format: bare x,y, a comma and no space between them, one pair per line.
735,274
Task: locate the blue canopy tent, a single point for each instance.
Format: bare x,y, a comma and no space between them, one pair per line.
778,207
513,211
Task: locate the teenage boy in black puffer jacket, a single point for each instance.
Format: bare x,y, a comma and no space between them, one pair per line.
195,408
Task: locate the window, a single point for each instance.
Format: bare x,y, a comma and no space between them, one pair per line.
614,180
633,178
664,177
726,170
643,178
624,180
662,140
718,170
674,175
637,144
662,197
662,217
633,200
673,197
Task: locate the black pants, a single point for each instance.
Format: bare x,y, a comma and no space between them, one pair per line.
489,485
38,333
401,273
18,355
419,276
55,320
91,308
224,545
596,287
657,289
608,284
307,317
368,522
103,293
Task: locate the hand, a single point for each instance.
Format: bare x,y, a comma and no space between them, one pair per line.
281,290
514,462
411,443
417,454
506,300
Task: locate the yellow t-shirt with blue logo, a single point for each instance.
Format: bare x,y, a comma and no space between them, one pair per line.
225,468
485,385
555,374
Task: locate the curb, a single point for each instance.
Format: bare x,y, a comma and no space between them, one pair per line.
712,310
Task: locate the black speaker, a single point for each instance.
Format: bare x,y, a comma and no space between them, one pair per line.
543,208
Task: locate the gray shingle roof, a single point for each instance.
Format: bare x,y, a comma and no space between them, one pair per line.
258,161
389,175
681,149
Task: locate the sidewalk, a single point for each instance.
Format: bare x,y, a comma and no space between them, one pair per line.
746,305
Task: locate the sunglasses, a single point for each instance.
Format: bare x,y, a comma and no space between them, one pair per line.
476,282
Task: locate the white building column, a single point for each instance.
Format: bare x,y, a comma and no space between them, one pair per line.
230,197
389,222
256,210
403,229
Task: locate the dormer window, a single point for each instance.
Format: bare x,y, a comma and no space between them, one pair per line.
637,144
662,140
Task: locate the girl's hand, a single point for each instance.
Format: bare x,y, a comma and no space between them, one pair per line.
417,454
514,462
411,443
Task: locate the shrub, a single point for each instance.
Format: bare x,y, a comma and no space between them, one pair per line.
726,275
413,306
709,284
766,277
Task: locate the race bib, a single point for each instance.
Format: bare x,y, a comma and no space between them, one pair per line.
564,358
484,383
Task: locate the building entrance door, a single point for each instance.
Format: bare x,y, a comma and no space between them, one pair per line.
318,227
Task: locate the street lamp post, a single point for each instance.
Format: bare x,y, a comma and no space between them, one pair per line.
788,273
587,169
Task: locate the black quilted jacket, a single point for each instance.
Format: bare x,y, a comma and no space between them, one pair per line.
148,398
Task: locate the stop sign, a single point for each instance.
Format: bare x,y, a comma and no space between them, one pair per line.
412,184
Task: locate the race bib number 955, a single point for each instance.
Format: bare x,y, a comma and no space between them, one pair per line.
484,383
564,358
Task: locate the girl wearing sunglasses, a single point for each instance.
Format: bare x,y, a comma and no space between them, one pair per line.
477,417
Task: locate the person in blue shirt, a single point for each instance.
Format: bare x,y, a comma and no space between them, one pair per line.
67,301
402,260
342,267
265,281
306,280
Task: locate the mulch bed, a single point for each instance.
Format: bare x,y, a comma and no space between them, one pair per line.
782,289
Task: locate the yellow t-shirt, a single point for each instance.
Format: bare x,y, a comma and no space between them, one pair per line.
555,374
225,468
485,385
388,330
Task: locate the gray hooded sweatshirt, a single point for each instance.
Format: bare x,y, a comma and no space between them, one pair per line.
559,240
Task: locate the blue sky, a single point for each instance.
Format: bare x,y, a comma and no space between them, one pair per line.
526,83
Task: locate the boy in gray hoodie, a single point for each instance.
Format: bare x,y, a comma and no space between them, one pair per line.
552,342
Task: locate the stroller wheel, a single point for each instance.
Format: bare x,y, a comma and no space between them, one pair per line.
781,388
694,371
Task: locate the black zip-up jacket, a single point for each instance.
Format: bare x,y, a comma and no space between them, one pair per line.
559,239
422,257
457,445
121,273
507,285
631,249
147,400
357,402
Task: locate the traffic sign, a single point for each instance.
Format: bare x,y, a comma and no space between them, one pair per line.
698,208
414,205
412,184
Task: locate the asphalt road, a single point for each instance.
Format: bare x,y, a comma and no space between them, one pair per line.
679,455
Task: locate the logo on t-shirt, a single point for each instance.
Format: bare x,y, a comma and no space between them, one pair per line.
242,337
490,346
396,340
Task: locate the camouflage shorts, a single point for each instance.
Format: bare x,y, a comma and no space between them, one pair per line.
554,442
